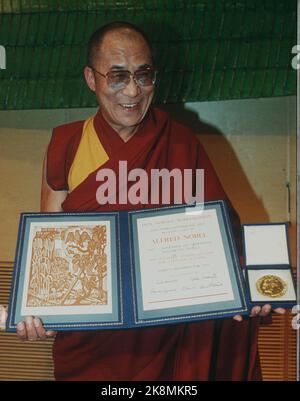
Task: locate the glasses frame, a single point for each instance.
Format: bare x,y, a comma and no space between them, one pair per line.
131,75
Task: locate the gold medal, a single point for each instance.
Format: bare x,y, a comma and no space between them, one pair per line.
271,286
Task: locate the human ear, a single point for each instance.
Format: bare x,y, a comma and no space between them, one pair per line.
89,78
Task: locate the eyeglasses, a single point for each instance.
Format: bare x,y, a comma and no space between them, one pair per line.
120,79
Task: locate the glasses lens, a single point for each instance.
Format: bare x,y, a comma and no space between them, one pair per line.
118,79
145,77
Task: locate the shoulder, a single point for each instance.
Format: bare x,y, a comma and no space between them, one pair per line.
65,132
65,137
178,132
69,126
60,153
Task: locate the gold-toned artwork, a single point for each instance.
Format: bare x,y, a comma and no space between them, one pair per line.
271,286
68,266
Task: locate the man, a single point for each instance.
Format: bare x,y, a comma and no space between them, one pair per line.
121,72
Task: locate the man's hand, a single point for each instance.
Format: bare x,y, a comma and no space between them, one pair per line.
32,329
261,311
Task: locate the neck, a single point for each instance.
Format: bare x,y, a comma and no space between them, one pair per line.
124,133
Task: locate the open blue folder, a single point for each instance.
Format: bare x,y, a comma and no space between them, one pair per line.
117,270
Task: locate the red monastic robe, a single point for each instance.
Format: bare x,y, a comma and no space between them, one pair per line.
208,350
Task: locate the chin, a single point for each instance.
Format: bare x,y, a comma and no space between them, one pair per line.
131,121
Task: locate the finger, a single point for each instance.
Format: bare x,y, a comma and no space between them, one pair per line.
280,311
238,318
50,333
21,331
265,310
255,311
40,331
31,330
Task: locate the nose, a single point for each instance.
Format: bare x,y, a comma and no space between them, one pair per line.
132,89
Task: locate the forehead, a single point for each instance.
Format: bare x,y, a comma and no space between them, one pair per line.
124,48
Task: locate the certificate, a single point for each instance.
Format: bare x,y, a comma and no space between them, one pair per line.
185,264
126,269
66,271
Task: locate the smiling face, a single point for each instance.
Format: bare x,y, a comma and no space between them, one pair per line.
123,109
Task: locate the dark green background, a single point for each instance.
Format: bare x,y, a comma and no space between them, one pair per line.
204,50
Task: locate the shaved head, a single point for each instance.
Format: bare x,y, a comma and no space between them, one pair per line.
123,29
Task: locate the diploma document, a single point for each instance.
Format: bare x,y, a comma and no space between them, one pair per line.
127,269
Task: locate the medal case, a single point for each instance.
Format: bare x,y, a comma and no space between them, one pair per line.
267,265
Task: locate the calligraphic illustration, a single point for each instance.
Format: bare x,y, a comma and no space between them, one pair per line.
68,266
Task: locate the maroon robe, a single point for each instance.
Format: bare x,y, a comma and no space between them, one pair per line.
208,350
